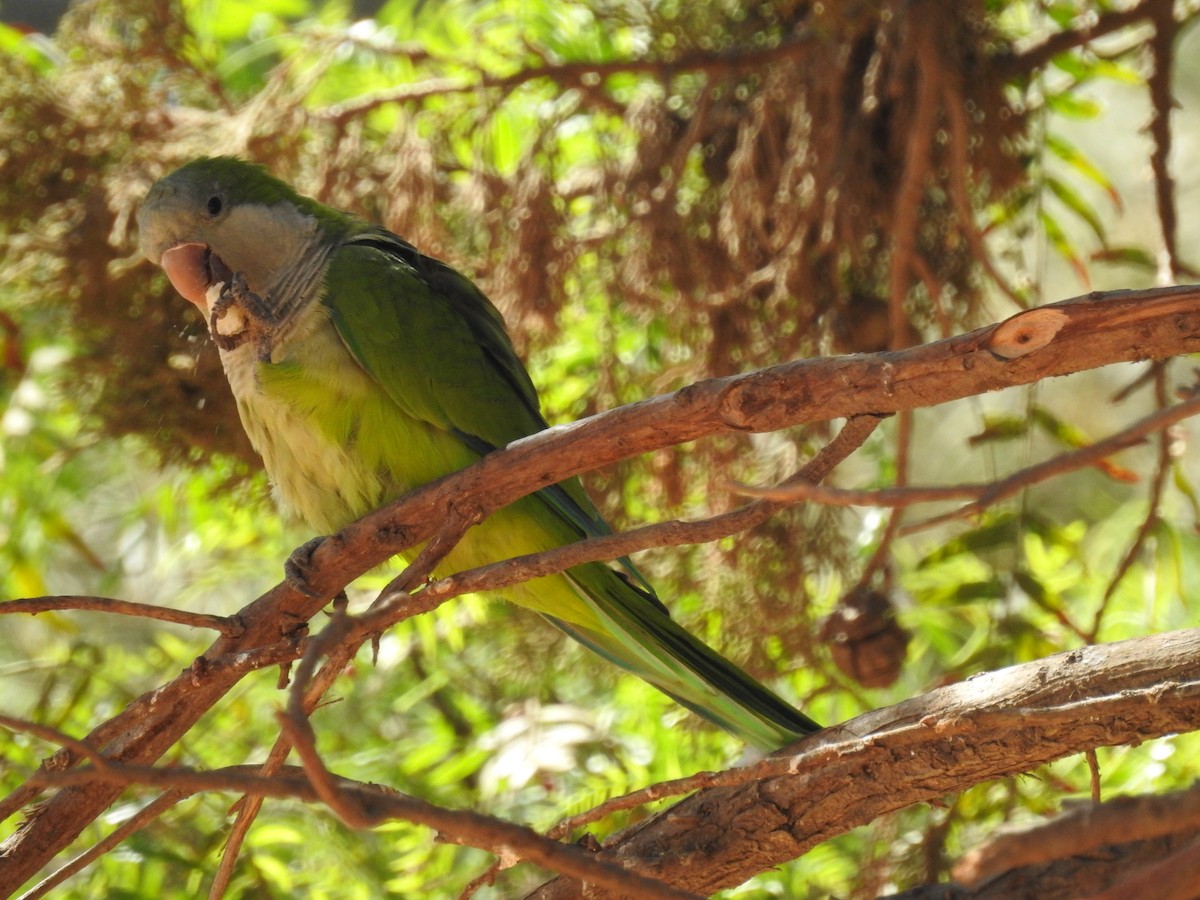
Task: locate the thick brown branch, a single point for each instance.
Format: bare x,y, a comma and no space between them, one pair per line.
991,726
1081,830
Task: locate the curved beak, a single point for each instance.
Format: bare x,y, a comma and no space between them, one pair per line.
192,269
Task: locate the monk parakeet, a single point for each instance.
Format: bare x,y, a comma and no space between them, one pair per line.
363,368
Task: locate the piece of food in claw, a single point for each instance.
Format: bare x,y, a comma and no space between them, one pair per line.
232,322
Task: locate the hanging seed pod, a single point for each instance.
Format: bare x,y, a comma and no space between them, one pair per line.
864,638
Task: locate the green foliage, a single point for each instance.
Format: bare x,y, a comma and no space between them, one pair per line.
629,238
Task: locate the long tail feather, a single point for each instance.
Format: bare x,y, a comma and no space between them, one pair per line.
639,637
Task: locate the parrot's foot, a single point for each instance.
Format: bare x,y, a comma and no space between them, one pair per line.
299,564
240,316
296,570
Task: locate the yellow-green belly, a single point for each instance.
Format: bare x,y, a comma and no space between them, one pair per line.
336,447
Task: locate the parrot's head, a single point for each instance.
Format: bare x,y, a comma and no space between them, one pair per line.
214,217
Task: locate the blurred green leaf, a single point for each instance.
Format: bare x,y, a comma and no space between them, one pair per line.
1064,246
1078,205
1127,256
1083,166
998,427
1072,106
33,50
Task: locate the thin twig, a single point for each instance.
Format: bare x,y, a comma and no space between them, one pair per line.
982,494
1093,763
81,749
1162,48
229,626
1158,484
143,817
300,732
1037,57
378,804
248,808
570,73
883,550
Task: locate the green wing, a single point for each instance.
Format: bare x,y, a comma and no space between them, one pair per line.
432,340
438,348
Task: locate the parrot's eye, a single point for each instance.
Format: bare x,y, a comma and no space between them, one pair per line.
214,206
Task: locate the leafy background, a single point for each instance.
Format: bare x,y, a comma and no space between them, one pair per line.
653,192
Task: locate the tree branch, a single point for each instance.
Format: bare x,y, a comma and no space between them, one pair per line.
575,72
375,804
390,609
226,625
993,725
1037,57
1082,830
984,494
1083,333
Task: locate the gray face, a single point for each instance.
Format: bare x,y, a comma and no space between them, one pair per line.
196,230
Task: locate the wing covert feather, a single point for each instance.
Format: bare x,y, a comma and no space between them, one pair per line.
440,353
439,349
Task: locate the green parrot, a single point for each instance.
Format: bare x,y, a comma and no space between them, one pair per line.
363,369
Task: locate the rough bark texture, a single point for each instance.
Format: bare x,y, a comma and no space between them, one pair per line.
996,724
